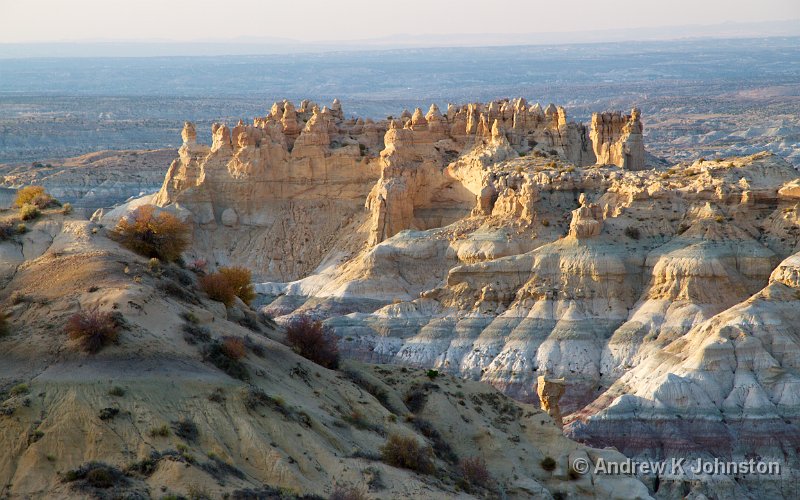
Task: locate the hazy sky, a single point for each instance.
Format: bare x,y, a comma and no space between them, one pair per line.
310,20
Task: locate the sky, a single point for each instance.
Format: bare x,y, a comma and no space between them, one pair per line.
334,20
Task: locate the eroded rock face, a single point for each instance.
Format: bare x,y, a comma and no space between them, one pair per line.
550,392
644,290
292,183
617,139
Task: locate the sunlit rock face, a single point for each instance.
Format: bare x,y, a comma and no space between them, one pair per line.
479,242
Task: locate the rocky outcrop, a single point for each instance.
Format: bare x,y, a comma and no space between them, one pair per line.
549,392
252,191
96,180
617,139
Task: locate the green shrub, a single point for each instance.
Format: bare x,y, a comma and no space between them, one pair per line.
19,390
407,453
632,232
29,212
548,464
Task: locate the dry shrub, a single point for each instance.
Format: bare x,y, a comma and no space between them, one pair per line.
92,329
347,493
27,194
160,235
5,328
233,347
407,453
313,340
474,472
218,288
240,280
7,230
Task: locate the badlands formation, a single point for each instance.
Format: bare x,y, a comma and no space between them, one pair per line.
501,242
150,416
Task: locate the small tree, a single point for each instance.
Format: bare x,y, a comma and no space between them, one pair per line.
151,234
313,340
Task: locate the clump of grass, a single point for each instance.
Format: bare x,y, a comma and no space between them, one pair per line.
160,235
116,391
19,390
93,329
194,333
160,431
408,453
219,357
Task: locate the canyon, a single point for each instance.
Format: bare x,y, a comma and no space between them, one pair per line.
501,242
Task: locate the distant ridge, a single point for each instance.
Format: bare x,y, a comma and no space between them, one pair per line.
273,45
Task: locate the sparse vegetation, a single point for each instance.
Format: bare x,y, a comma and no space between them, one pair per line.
347,493
95,475
5,327
32,195
160,431
548,464
152,234
474,472
228,283
217,288
185,429
66,208
233,347
313,340
116,391
194,333
29,212
93,329
19,390
217,356
408,453
632,232
7,230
